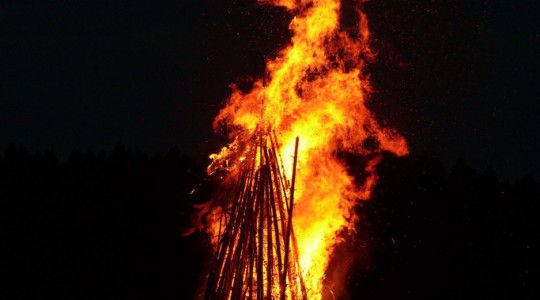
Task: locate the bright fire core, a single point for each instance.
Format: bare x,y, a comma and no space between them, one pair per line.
317,90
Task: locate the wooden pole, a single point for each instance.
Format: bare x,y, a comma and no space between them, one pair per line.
289,224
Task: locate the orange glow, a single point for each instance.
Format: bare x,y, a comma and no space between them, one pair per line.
317,90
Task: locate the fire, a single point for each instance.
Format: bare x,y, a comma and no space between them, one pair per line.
316,90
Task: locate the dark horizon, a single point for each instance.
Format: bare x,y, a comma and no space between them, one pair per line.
457,78
203,160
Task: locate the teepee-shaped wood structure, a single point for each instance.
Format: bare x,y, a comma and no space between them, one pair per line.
257,255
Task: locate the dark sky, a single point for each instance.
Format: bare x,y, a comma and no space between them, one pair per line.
459,78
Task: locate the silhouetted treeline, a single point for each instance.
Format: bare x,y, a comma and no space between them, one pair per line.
103,226
108,225
432,233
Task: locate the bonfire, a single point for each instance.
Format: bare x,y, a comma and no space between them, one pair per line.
286,193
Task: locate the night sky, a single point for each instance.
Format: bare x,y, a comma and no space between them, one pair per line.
459,78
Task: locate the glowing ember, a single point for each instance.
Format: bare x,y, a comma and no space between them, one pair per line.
317,91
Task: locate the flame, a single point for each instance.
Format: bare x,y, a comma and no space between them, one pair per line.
317,90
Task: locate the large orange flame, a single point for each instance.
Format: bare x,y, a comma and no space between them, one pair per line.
317,90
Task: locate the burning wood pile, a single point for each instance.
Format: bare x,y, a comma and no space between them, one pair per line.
257,251
317,88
